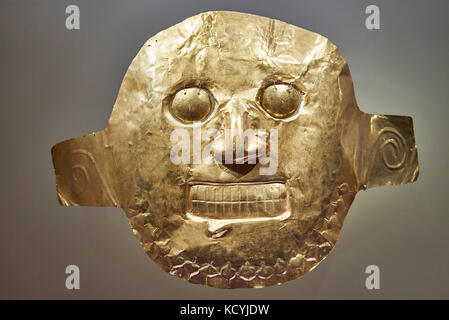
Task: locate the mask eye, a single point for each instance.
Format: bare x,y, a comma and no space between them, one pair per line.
191,104
280,100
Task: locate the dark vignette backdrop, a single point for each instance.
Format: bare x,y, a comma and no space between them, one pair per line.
57,84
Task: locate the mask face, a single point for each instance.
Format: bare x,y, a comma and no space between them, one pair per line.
207,210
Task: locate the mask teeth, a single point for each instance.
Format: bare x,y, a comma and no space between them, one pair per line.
238,201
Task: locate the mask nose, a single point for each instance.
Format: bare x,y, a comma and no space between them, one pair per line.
238,151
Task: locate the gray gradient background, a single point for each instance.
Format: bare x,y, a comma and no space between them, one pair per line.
58,84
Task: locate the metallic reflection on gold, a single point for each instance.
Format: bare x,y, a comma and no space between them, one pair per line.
280,101
192,104
211,224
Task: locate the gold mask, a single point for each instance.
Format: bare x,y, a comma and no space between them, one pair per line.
227,225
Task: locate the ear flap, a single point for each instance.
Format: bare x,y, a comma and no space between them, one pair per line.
390,156
84,167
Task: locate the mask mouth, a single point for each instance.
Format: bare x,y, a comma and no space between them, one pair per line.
237,202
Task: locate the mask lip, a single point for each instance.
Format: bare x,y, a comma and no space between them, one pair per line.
209,183
216,218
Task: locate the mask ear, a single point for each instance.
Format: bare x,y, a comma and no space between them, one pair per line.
390,156
84,167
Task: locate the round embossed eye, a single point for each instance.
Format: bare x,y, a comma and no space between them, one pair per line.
192,104
280,100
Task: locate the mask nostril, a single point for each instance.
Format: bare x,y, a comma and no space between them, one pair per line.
241,165
242,169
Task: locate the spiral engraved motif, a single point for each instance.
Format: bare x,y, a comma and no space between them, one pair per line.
80,178
85,171
393,148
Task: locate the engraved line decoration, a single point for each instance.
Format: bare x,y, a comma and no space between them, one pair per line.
83,175
393,148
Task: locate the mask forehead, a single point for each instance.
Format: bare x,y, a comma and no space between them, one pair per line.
232,54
